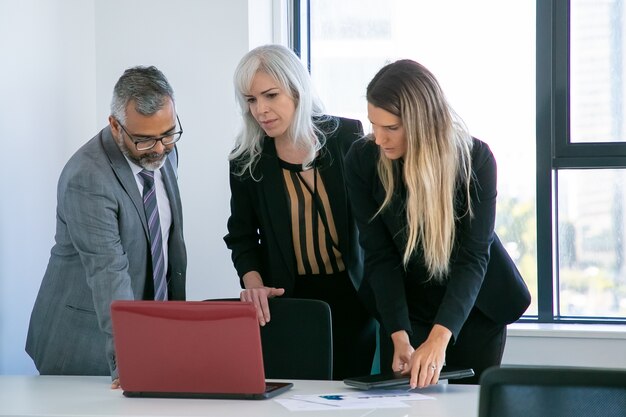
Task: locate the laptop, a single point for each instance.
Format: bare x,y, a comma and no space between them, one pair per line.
190,349
396,379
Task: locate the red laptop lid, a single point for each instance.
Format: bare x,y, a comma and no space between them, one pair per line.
188,347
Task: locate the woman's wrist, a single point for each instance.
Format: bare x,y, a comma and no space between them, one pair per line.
252,279
440,334
400,338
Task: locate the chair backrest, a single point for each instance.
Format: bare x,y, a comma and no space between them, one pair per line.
298,342
516,391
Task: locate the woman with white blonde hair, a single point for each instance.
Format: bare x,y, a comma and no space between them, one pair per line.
423,192
291,231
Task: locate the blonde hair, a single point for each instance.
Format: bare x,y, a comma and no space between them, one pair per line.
436,163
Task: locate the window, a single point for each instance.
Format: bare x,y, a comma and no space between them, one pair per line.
541,83
585,108
485,66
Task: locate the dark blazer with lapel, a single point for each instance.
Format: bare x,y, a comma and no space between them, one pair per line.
481,272
101,254
259,233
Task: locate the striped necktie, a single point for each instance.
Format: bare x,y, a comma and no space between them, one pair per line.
156,239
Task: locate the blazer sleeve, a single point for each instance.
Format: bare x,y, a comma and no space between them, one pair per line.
383,268
243,238
474,235
90,212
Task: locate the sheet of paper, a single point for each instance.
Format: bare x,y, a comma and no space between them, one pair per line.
352,400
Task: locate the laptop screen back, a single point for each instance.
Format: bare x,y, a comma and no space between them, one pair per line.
188,347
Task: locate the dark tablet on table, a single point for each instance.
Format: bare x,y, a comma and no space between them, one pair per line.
395,379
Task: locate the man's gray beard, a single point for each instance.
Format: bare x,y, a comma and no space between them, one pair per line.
150,166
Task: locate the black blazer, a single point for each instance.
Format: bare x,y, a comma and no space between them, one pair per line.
259,232
481,272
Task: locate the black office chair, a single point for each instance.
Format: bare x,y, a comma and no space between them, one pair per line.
516,391
298,340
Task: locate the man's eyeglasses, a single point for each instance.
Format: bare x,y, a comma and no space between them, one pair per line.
144,144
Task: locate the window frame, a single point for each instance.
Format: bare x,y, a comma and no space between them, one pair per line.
555,151
553,146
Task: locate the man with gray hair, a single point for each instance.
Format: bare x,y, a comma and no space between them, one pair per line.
119,232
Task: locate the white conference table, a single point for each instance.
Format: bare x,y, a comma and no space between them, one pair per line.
92,396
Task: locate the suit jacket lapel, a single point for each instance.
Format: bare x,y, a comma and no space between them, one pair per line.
124,174
171,187
276,205
331,170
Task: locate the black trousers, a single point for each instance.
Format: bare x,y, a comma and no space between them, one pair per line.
479,346
354,329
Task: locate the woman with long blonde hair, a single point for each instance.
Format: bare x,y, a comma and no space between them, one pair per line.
423,192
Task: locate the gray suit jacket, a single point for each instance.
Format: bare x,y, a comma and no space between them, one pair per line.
101,254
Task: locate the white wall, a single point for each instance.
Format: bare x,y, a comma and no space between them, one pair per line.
60,60
47,108
197,45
